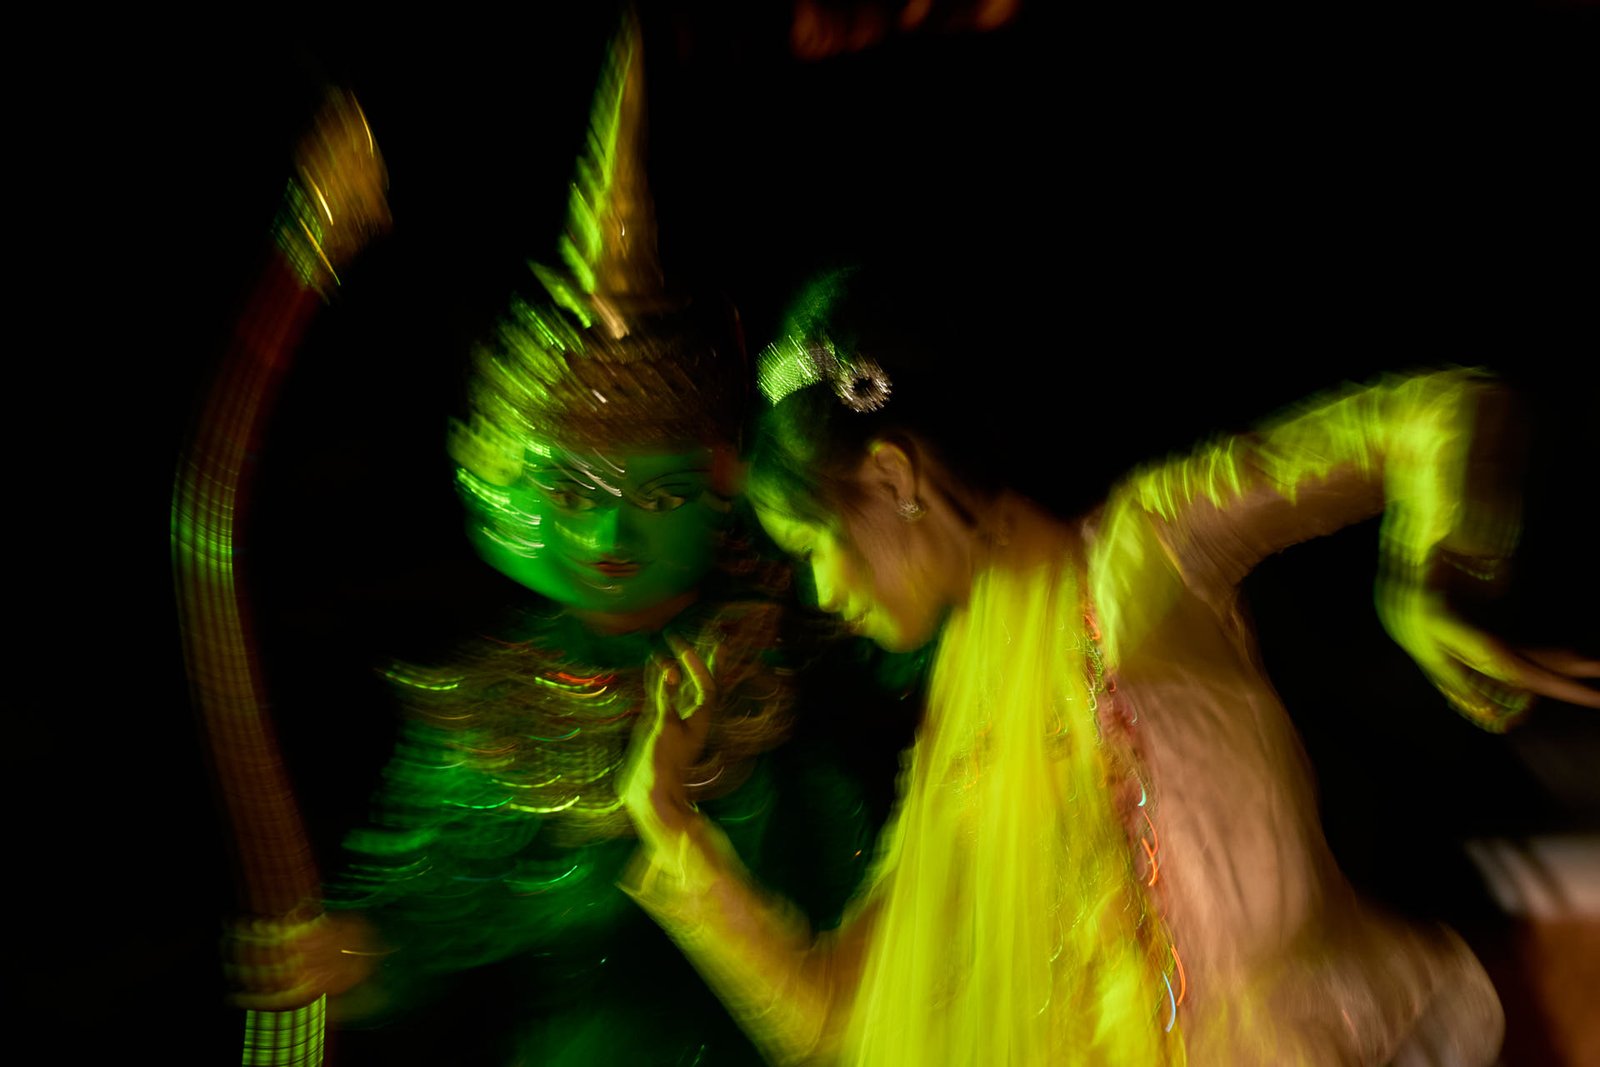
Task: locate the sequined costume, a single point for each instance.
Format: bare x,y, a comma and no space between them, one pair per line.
1107,848
498,839
498,835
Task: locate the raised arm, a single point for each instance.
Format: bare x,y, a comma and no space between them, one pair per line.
791,991
1403,447
285,956
1437,454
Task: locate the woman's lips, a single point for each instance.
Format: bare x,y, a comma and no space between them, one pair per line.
614,568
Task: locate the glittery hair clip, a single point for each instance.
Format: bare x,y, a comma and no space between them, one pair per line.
786,367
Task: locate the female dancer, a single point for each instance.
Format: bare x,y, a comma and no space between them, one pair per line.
1106,848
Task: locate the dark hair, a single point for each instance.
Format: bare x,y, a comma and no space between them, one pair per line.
967,376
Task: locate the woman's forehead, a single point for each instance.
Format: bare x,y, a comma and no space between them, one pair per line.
785,529
790,525
633,463
779,496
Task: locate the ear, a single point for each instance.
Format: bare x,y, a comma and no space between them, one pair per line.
891,469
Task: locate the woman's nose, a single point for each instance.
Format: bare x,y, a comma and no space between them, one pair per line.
826,594
608,536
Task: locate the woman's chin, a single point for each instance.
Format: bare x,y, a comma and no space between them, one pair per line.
896,640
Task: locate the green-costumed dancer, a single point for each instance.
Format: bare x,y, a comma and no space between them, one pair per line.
598,466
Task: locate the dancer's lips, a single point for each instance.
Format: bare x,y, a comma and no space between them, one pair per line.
616,568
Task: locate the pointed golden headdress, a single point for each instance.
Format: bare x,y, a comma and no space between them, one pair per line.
606,356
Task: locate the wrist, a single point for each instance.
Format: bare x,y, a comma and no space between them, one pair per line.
1470,575
663,816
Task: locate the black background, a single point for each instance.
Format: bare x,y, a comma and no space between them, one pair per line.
1213,216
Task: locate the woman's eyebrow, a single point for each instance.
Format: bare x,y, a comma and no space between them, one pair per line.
549,478
688,473
557,471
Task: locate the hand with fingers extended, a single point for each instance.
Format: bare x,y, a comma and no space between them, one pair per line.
277,964
1485,679
667,742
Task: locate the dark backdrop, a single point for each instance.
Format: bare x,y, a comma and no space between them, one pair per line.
1207,218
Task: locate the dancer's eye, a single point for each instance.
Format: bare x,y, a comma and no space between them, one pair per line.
661,500
570,498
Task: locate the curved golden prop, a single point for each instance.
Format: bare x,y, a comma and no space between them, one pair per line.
333,206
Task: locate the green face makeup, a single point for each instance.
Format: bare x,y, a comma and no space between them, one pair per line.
605,532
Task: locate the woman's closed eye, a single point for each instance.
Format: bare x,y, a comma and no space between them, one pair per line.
569,496
661,500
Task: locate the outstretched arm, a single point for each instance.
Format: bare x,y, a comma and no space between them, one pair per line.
1437,454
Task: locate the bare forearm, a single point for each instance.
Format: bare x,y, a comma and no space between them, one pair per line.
789,991
1429,451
